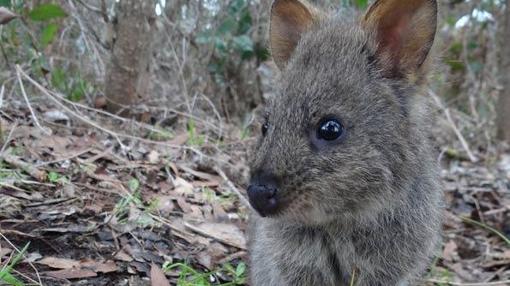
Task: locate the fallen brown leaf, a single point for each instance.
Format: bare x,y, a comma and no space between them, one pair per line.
450,250
123,256
158,277
59,263
223,232
183,187
71,273
103,267
4,251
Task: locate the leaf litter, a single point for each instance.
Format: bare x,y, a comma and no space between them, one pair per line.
100,211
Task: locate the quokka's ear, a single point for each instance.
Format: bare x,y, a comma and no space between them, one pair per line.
289,20
404,32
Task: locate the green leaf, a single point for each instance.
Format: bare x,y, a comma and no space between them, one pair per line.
262,53
9,279
455,65
236,6
78,91
58,79
48,34
133,185
5,274
53,177
240,269
220,44
228,26
5,3
45,12
245,22
361,3
243,43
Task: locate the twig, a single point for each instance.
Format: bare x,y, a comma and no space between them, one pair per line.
2,89
90,122
231,185
90,7
463,141
7,185
486,227
72,156
52,202
99,68
114,116
29,168
203,233
8,137
22,87
232,256
108,131
189,237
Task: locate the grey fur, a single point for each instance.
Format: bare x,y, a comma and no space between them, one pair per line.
370,203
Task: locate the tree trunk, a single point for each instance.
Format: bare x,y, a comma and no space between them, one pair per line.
127,77
503,107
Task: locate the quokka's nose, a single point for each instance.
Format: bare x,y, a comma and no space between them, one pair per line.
263,198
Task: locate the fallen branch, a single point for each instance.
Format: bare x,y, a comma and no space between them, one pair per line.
27,167
231,185
22,87
210,235
463,141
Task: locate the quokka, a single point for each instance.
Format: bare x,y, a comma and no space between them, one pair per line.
344,182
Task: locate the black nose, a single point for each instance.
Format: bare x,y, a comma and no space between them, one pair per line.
263,198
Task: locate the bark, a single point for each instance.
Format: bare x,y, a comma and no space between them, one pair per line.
503,108
127,81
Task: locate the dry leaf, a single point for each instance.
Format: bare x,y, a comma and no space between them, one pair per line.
506,254
6,15
179,139
183,187
123,256
103,267
59,263
158,277
153,157
71,273
450,250
4,251
226,233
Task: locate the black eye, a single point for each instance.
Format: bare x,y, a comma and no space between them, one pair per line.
264,128
329,129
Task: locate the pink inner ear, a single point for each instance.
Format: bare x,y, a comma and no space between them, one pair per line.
391,37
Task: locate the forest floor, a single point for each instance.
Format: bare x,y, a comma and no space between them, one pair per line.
82,205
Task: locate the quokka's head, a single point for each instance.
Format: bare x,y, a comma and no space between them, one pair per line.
339,137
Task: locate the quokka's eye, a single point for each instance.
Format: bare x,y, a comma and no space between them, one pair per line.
329,129
264,128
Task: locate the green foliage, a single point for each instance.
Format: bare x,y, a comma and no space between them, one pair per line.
121,209
48,34
56,178
160,134
194,138
72,85
5,273
362,4
188,276
46,12
5,3
232,40
133,185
